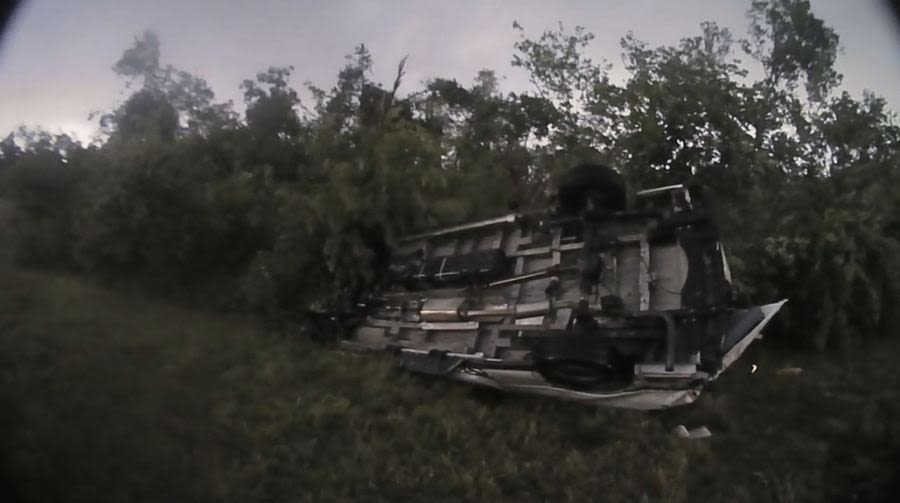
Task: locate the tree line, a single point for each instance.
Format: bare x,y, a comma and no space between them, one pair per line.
286,207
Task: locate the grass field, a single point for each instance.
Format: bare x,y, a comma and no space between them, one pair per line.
107,396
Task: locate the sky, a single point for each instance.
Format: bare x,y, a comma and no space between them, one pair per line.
56,56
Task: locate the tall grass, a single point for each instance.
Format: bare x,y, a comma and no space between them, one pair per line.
108,396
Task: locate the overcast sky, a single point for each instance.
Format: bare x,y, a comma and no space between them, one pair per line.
56,56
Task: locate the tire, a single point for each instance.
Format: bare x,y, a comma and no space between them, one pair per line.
600,185
575,374
587,370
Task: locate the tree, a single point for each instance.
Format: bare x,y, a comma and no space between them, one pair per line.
793,44
273,125
563,76
169,102
792,171
304,202
44,178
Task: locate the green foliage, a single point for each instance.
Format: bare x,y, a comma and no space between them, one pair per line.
44,181
169,100
299,203
791,42
835,256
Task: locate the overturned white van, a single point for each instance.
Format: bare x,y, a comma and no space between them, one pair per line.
590,300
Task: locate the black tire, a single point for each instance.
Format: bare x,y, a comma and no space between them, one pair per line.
601,185
575,374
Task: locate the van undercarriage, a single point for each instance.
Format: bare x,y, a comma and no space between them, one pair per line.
594,302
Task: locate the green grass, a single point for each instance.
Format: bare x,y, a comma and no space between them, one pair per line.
107,396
